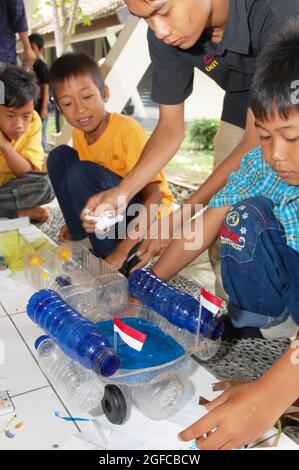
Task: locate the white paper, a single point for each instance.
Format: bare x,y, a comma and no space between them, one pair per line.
80,441
191,412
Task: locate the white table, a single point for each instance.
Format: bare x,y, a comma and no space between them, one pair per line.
35,400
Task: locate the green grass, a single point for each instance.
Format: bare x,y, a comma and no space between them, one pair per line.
189,165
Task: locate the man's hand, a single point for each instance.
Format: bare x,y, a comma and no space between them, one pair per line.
44,114
112,200
29,58
237,417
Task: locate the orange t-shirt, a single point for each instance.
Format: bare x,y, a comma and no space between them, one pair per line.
118,149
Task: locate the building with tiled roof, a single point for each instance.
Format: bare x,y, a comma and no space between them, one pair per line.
93,9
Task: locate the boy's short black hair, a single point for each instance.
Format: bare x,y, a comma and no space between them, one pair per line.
75,65
277,75
37,39
20,86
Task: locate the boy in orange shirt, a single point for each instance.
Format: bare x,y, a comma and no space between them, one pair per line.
23,188
106,146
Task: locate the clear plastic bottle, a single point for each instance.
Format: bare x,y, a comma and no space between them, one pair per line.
80,387
75,335
180,308
159,400
36,270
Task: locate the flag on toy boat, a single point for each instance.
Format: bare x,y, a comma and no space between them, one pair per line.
210,302
210,323
133,338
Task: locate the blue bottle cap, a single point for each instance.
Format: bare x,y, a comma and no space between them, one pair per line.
39,340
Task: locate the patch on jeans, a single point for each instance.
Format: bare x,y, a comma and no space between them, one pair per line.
233,218
243,226
231,238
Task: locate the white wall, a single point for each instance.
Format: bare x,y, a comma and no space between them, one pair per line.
206,99
126,63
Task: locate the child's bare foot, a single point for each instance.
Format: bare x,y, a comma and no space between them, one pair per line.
38,214
65,235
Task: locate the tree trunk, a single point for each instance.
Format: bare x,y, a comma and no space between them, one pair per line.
65,20
57,29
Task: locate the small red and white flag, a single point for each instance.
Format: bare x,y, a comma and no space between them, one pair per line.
133,338
210,302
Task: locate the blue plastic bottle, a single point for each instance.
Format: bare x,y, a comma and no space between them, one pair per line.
180,308
75,335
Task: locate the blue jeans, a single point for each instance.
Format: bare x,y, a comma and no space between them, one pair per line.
3,64
74,181
259,270
44,134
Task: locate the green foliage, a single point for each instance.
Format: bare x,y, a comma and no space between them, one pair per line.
79,16
202,133
85,20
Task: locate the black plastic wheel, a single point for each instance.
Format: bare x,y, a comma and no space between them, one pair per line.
114,405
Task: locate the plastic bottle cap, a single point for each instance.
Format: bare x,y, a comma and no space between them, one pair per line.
35,260
39,340
64,253
45,275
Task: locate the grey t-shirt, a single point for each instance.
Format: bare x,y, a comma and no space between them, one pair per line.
231,63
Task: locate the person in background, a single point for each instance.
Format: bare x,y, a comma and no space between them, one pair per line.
13,21
42,73
24,189
106,146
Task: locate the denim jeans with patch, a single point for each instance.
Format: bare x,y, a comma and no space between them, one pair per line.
260,271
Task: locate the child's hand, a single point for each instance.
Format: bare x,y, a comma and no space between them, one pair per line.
65,235
240,416
3,140
116,259
132,300
155,244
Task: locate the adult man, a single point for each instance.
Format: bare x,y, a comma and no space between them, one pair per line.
13,20
222,38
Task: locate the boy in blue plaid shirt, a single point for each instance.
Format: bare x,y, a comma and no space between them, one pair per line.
256,214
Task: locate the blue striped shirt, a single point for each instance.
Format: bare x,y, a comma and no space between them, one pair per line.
256,178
